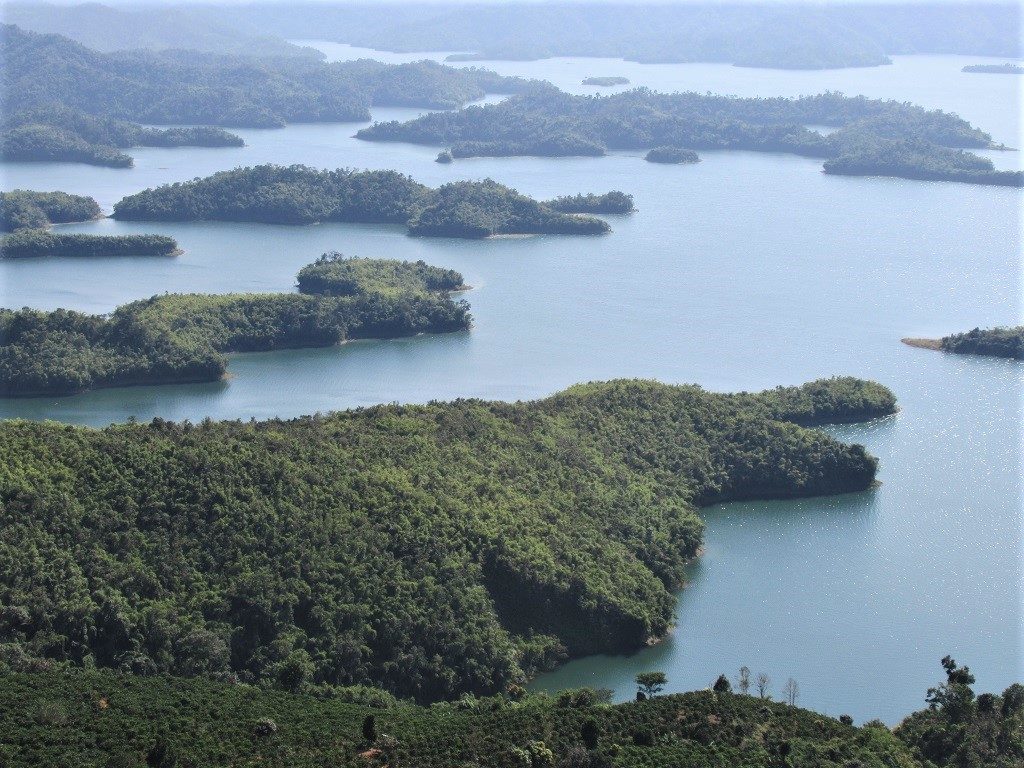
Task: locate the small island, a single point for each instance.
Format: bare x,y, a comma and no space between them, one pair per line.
610,202
26,209
28,243
444,157
182,338
993,342
297,194
606,81
672,155
995,69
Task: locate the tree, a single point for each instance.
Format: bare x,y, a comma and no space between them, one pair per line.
764,683
651,683
722,685
954,698
295,671
791,692
370,729
161,755
590,732
743,683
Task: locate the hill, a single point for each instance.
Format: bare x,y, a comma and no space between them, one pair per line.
430,550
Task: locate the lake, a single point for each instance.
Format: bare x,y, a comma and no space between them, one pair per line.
745,271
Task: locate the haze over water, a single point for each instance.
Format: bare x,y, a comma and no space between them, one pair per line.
745,271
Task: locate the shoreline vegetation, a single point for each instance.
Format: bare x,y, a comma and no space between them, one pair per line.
183,338
672,155
995,69
66,102
605,82
33,243
448,548
298,194
1005,342
27,209
872,137
105,718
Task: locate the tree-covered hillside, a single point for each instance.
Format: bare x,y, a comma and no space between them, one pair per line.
63,101
997,342
873,137
30,243
298,194
26,209
429,550
95,720
177,338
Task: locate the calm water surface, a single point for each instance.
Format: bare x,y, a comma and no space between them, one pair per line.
745,271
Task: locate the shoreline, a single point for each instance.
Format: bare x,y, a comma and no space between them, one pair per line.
933,344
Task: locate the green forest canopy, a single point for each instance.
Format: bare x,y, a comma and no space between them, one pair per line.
873,137
28,243
26,209
177,338
429,550
64,101
298,194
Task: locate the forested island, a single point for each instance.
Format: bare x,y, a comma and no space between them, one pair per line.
873,137
27,209
606,82
995,69
55,718
301,195
64,101
610,202
994,342
431,550
672,156
27,243
182,338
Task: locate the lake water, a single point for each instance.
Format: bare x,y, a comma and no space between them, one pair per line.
744,271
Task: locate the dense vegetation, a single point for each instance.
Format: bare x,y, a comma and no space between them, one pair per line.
86,720
335,275
301,195
672,155
25,209
177,338
68,102
779,35
873,137
995,69
606,81
998,342
37,242
609,202
430,550
962,730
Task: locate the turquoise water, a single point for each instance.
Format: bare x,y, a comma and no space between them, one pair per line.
745,271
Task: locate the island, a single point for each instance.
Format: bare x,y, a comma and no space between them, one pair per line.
66,102
182,338
672,155
444,157
993,342
26,243
301,195
479,541
610,202
606,81
27,209
995,69
106,718
872,137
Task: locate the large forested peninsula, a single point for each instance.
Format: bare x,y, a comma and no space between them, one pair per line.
176,338
430,550
28,243
993,342
63,101
27,209
873,137
301,195
62,719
